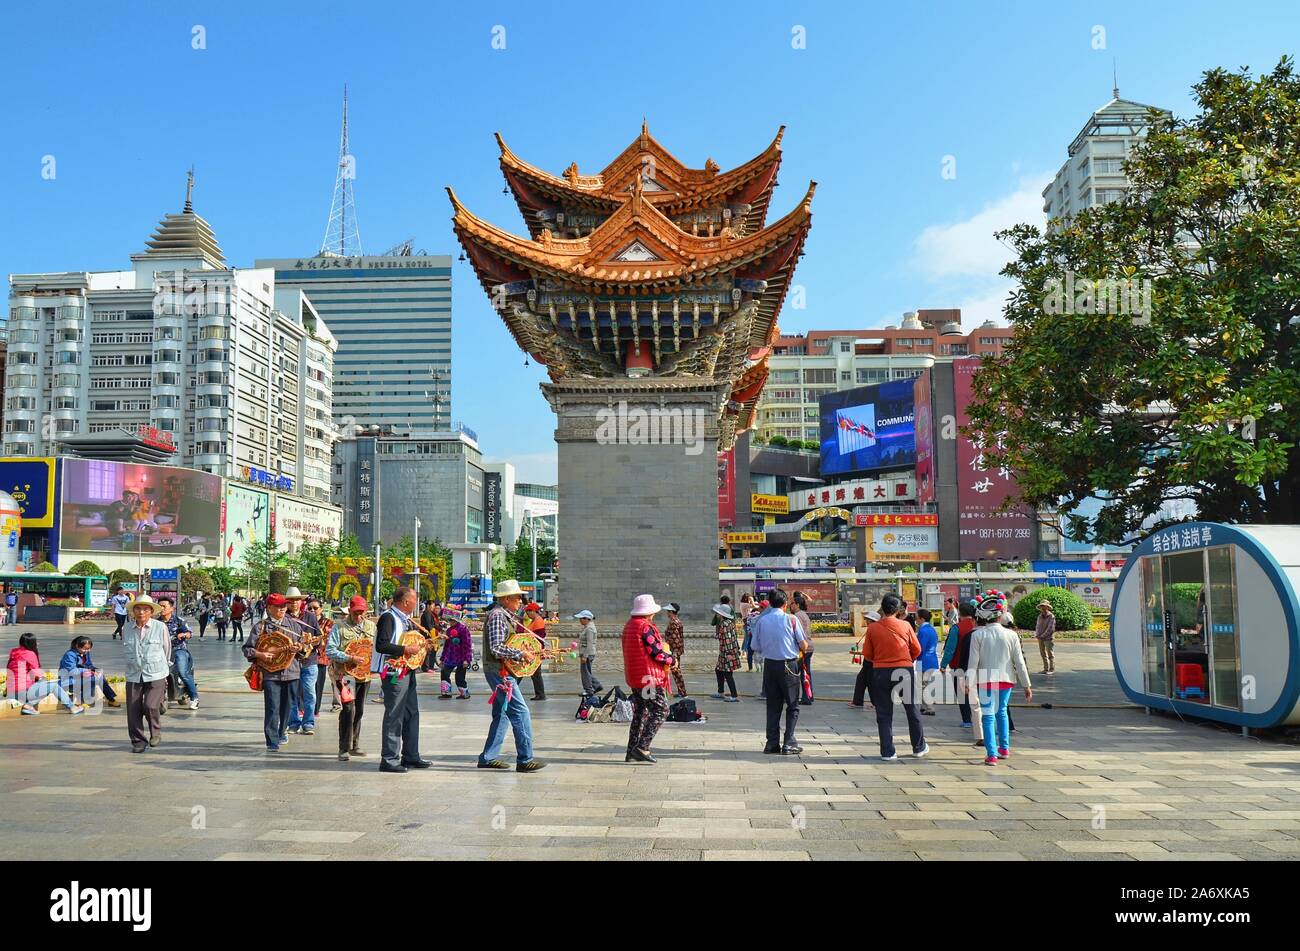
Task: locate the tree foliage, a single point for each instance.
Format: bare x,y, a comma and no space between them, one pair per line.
196,581
224,579
1197,401
119,575
1072,612
85,568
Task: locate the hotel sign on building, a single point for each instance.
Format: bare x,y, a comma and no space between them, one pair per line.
863,492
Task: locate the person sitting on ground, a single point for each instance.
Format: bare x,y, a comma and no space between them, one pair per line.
27,681
77,668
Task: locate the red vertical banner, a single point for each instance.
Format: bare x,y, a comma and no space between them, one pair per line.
727,488
984,532
924,439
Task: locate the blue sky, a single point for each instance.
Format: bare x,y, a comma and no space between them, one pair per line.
873,104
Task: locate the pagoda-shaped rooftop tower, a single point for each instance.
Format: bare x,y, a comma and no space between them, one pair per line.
646,269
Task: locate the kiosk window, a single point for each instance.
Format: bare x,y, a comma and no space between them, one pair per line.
1223,628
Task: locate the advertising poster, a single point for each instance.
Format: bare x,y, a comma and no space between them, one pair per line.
903,543
869,491
868,428
31,483
775,504
247,521
124,507
983,531
726,488
492,507
924,438
297,522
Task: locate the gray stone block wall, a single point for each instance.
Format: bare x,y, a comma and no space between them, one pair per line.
636,519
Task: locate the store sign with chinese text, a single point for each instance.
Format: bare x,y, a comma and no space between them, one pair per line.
745,538
774,504
270,480
366,494
910,519
864,492
903,543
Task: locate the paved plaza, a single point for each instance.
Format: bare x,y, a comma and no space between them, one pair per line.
1096,781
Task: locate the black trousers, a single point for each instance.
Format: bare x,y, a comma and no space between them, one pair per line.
350,718
401,720
862,685
322,672
539,685
237,627
781,684
278,699
445,675
885,681
726,677
120,619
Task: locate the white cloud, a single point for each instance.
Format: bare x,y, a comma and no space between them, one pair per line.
964,249
985,306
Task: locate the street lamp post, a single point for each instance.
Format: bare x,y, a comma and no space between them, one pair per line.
532,541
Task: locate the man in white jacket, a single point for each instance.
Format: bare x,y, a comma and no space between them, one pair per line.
996,665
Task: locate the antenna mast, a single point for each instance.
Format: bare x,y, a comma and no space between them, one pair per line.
342,234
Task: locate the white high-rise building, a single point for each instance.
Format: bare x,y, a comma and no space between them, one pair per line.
1094,172
237,372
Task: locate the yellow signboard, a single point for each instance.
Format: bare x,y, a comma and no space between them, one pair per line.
746,538
810,536
776,504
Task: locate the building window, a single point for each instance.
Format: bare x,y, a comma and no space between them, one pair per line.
846,376
846,346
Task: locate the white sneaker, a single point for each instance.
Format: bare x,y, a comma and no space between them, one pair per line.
922,751
194,704
889,759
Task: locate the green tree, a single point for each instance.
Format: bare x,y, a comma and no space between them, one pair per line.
1072,612
224,579
85,568
260,558
196,581
1198,399
44,567
119,575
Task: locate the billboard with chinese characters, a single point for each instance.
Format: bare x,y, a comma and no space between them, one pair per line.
366,492
298,521
125,507
863,492
924,438
245,521
769,504
868,428
983,531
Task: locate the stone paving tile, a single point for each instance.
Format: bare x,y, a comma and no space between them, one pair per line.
1169,789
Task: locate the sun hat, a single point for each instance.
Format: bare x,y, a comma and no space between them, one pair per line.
674,607
143,599
358,603
1043,604
643,605
293,594
584,614
507,589
723,610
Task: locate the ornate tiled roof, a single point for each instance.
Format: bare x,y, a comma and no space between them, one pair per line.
669,184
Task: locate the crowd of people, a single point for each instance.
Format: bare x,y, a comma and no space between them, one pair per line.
294,647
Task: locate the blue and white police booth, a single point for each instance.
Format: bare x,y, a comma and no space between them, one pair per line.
1205,622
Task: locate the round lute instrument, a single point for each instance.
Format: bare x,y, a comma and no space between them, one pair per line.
275,641
360,651
527,643
422,639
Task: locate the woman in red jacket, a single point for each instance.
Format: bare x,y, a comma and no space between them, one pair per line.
27,681
647,662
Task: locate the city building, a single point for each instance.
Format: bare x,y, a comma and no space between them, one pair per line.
384,480
805,367
391,315
1094,172
234,370
512,509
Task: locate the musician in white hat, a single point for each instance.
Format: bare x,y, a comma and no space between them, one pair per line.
146,644
587,653
647,662
507,699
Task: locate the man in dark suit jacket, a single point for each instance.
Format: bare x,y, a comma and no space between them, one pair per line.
401,730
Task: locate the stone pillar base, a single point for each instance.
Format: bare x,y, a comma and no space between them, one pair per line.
638,494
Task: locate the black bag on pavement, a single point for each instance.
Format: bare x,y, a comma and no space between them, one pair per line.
683,711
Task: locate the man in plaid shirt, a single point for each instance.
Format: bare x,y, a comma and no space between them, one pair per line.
507,699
